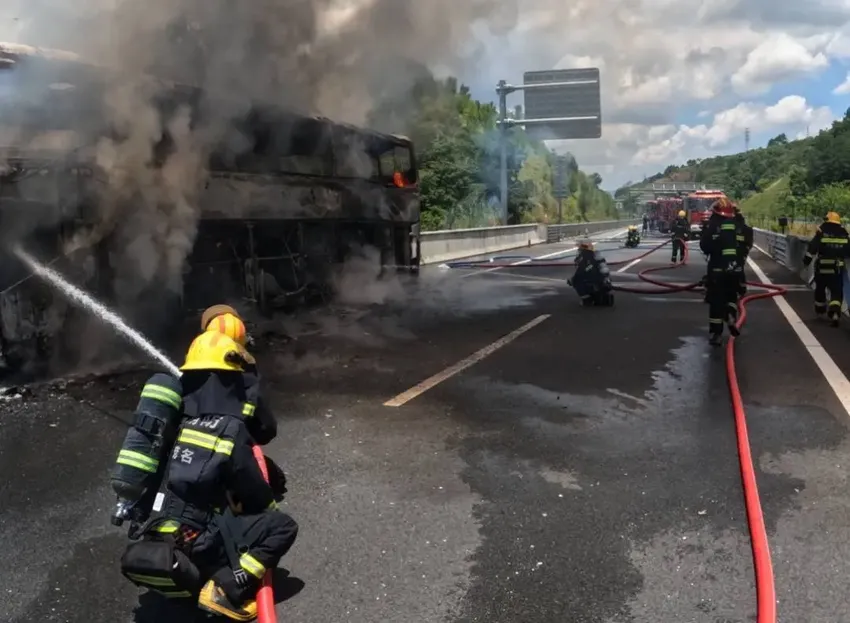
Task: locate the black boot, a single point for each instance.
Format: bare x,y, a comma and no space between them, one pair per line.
715,339
732,320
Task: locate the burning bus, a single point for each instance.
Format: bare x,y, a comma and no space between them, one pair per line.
280,202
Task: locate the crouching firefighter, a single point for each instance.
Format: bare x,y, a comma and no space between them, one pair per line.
219,529
830,245
592,278
632,237
719,241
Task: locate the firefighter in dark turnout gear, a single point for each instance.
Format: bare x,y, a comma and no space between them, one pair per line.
830,244
719,241
679,230
745,245
592,278
215,487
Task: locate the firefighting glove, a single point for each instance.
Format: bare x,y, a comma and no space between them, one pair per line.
806,261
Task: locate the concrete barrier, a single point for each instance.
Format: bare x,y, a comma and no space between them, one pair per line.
453,244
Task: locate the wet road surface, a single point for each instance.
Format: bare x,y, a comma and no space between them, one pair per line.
584,471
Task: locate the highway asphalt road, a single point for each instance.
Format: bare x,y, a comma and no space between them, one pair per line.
583,469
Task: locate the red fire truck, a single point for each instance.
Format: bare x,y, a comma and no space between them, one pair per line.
698,206
668,210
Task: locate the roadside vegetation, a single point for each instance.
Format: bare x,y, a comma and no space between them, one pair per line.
457,144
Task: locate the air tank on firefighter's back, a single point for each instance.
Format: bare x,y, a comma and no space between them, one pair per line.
143,459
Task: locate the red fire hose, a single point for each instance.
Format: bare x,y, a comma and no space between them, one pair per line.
265,596
765,586
663,286
762,565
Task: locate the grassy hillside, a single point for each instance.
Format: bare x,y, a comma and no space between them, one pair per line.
763,208
760,206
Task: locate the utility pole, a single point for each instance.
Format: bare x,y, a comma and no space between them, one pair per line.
503,89
548,95
561,185
746,139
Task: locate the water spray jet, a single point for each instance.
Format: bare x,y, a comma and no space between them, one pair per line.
86,301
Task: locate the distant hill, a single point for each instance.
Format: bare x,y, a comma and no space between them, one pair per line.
802,180
757,179
743,174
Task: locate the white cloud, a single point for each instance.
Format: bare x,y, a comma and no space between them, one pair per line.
844,87
792,115
639,150
778,58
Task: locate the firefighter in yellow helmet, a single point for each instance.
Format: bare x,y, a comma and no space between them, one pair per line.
215,486
830,245
225,319
679,230
632,237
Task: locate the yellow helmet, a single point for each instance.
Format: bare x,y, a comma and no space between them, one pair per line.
632,227
231,325
833,217
682,214
212,312
212,350
585,243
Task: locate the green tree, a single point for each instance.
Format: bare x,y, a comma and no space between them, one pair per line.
780,139
798,184
458,149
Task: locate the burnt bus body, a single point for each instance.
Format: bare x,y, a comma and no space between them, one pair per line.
278,221
275,221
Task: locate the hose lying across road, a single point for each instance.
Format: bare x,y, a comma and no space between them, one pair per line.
763,568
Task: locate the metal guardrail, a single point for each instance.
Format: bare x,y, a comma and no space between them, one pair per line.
556,233
786,249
